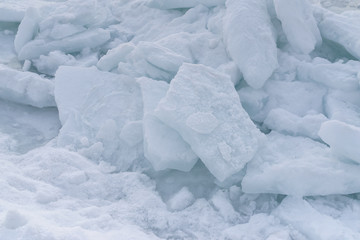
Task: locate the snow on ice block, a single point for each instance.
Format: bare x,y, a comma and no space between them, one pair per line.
163,146
171,4
203,106
88,39
94,107
299,214
250,40
344,139
299,24
301,167
342,29
26,88
338,75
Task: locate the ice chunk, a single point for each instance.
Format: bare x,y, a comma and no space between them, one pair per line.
152,60
197,93
181,200
298,23
342,29
26,88
299,214
171,4
299,166
343,106
286,122
249,40
114,56
50,63
260,226
163,146
344,139
286,95
27,28
338,75
88,39
98,106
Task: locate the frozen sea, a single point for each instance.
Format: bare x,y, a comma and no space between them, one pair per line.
180,120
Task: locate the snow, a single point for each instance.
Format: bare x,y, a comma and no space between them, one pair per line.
299,24
219,132
250,40
164,119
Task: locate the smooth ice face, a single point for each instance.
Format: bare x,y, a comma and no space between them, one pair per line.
343,138
299,166
342,30
298,23
94,108
204,108
250,40
163,146
26,88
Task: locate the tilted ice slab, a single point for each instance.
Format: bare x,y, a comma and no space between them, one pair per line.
299,214
299,166
171,4
343,106
100,113
204,108
26,88
299,24
163,146
286,122
88,39
342,29
250,40
338,75
344,139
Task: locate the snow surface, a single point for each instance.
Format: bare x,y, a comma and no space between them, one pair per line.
166,119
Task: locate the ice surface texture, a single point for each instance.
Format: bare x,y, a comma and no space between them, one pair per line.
166,119
204,108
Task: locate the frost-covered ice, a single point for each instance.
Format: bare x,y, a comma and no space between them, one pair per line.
204,108
299,24
250,40
166,119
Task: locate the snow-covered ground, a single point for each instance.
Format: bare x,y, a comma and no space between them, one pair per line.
169,119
